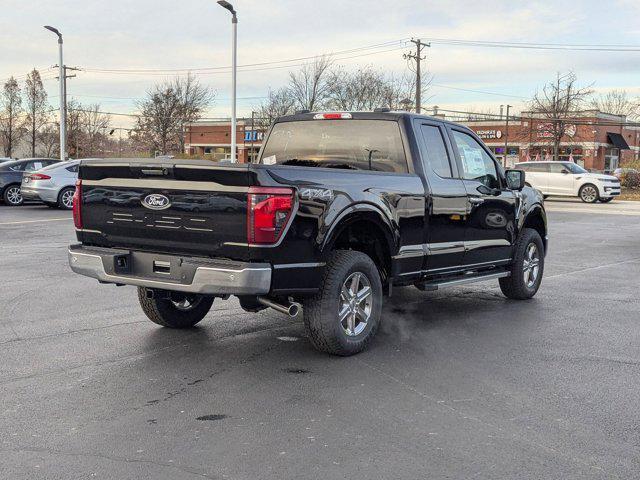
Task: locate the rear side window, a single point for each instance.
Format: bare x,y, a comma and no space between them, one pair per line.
436,154
73,168
343,144
538,167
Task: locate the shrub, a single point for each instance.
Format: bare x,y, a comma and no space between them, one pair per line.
630,180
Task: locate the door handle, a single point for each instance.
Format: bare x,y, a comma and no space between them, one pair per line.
476,200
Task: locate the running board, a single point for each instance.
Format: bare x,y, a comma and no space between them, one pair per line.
435,285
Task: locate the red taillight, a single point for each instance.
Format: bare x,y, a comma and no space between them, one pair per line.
39,176
268,211
77,205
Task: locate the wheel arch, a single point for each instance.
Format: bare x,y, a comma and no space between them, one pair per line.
364,228
537,220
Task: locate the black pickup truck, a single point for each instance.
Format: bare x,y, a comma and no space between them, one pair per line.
338,210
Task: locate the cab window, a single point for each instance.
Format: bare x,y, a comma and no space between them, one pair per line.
436,151
476,162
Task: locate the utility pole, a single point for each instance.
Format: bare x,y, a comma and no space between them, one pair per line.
418,58
63,101
506,138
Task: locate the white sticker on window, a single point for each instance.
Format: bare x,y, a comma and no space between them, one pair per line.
270,160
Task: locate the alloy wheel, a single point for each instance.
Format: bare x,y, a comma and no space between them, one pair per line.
356,304
589,194
531,265
14,196
67,198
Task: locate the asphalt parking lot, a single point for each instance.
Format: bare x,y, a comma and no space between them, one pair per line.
460,384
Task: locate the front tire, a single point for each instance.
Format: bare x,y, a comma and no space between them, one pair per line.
12,196
527,267
589,193
174,309
344,316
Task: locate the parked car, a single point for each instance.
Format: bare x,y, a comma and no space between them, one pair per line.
619,172
568,179
339,210
53,185
11,177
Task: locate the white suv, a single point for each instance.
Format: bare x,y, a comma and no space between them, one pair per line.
570,180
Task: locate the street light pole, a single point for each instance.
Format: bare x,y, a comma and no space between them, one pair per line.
63,113
234,24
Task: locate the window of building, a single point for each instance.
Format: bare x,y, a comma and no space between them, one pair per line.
476,162
611,159
436,151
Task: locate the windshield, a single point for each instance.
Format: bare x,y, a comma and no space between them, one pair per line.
574,168
347,144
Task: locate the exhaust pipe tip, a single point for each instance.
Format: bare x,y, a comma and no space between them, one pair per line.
294,309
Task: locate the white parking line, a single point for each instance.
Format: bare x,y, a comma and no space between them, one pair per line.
37,221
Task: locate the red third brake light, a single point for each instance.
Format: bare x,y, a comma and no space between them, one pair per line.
39,176
332,116
268,211
77,205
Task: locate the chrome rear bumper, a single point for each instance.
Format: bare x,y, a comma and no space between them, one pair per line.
184,274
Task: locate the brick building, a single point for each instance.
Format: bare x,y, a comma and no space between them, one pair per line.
212,139
595,140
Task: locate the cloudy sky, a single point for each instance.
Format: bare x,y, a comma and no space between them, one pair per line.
162,34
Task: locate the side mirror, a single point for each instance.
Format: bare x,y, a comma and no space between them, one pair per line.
564,171
515,179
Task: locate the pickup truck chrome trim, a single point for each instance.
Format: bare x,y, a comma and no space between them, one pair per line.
247,279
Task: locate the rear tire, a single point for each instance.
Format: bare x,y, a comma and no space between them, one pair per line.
65,198
12,196
174,309
589,193
344,316
529,257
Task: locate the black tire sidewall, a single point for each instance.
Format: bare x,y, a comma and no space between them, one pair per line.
161,310
321,312
522,291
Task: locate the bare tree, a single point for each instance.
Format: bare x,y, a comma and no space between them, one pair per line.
74,127
556,102
94,125
616,102
169,106
36,107
11,130
398,90
49,140
278,103
310,86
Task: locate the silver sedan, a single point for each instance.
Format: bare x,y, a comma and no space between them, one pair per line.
53,185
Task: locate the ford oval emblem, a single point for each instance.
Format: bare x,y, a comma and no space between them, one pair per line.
156,201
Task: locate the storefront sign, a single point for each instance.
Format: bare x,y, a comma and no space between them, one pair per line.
545,130
253,136
489,134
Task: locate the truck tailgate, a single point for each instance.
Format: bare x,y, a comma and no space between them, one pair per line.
193,207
